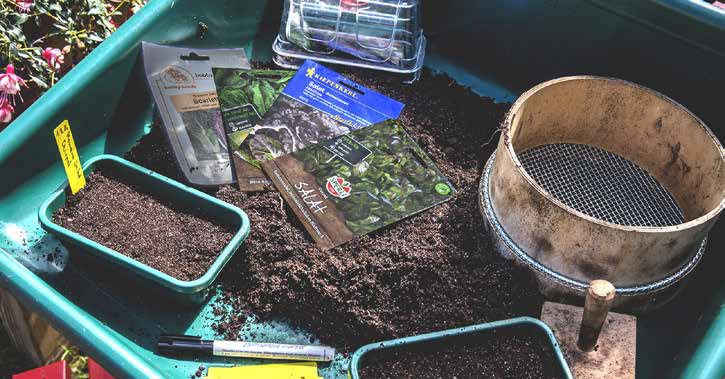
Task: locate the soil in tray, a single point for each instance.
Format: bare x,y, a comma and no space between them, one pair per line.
509,353
429,272
175,240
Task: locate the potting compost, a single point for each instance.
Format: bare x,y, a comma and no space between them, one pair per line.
512,354
179,242
429,272
316,105
182,84
348,211
358,182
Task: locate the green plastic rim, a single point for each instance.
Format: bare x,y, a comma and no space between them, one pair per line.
360,353
57,199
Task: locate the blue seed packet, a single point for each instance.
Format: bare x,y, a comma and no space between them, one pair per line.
317,105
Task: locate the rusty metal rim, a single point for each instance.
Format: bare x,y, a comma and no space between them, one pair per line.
644,229
487,211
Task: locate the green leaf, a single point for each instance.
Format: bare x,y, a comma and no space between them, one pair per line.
96,12
95,38
257,96
40,82
22,18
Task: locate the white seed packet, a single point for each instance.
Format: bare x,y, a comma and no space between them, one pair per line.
181,81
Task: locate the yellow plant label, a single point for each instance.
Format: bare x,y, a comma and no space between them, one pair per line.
69,155
299,370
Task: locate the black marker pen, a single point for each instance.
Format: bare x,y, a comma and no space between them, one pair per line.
180,344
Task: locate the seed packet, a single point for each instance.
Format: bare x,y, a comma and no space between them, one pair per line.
316,105
244,97
359,182
182,85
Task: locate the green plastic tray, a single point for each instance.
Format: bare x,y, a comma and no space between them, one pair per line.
192,291
499,48
537,326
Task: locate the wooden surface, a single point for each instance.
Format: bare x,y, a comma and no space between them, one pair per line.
615,352
29,333
596,307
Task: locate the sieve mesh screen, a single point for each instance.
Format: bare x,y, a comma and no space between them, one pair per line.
601,184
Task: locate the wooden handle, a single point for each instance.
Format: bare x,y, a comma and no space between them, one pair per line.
596,307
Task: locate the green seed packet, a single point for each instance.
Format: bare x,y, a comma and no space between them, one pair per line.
244,97
316,105
359,182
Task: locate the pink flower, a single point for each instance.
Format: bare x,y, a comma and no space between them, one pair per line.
9,88
113,22
6,111
24,5
54,57
10,83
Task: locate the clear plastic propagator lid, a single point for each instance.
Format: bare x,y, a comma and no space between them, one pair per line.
380,34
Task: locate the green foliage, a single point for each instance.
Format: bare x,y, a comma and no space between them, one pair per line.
257,87
260,88
396,180
77,362
236,139
75,26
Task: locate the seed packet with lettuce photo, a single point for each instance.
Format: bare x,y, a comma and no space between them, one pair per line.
182,85
316,105
359,182
244,97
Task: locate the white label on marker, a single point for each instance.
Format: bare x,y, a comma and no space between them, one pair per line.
273,351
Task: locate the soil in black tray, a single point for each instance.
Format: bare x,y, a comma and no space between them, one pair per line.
510,354
177,241
432,271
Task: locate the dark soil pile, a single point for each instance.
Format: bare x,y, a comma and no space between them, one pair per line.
179,242
510,355
430,272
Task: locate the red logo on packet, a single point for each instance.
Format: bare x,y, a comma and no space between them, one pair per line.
352,4
338,187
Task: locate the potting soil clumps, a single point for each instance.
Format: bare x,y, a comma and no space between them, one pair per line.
156,232
510,354
429,272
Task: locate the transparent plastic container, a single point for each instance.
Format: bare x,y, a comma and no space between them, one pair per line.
380,34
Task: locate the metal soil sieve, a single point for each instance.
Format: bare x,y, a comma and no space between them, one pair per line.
599,178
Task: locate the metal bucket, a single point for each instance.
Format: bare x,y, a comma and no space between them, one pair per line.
599,178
